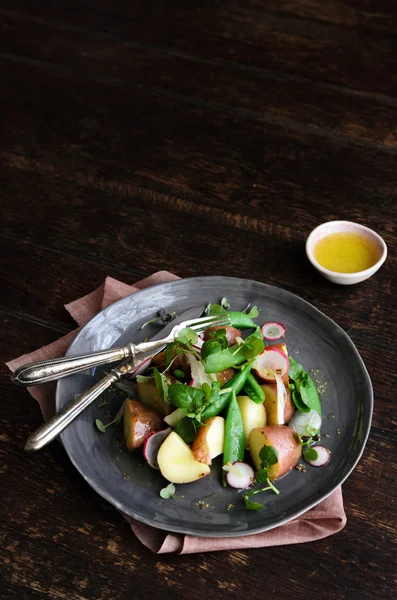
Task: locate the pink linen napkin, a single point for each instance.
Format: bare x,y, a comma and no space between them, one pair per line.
323,520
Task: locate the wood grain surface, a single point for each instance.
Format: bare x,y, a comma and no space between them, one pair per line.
205,138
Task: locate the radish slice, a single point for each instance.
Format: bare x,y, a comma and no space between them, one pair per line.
323,456
281,398
273,331
152,445
240,475
198,344
140,368
305,423
271,362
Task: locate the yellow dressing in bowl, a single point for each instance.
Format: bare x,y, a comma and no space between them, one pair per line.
346,252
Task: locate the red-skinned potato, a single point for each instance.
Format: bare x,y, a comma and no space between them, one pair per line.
149,396
282,347
270,402
284,440
177,463
181,362
209,440
231,334
225,376
139,422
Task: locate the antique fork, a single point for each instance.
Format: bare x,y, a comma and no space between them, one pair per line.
131,366
49,370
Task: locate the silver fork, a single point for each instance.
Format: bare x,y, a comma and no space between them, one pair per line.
49,370
131,366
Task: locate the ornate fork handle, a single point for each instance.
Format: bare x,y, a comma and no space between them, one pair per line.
50,430
49,370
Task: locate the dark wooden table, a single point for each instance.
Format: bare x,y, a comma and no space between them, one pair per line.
141,136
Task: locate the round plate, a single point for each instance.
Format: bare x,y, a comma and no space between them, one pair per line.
205,508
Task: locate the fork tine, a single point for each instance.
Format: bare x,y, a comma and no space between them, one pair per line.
204,320
219,321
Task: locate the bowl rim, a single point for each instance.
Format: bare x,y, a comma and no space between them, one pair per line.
366,272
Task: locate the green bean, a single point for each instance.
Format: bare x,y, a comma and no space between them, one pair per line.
235,385
241,320
254,390
234,445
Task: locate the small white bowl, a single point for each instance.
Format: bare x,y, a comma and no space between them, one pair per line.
340,227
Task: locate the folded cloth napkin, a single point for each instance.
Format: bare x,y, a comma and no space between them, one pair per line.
323,520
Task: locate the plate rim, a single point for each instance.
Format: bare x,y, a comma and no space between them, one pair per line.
185,530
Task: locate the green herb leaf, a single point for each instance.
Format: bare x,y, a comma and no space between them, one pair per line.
162,317
186,397
261,475
169,353
214,363
100,425
168,492
310,454
252,505
210,347
256,505
187,336
187,429
253,345
268,456
162,384
304,395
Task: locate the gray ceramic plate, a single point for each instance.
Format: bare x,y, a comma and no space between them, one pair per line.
207,509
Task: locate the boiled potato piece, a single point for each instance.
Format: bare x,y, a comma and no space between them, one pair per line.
254,415
209,441
225,376
284,440
231,333
148,395
177,463
270,402
282,347
139,422
270,390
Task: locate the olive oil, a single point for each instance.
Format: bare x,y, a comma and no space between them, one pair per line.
346,252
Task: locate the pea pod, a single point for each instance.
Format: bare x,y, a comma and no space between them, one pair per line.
241,320
254,390
235,385
234,444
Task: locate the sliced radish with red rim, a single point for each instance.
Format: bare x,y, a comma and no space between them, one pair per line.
273,331
271,362
318,457
197,345
240,475
152,445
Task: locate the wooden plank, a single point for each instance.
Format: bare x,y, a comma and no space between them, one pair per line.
291,45
207,153
41,281
378,16
97,55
